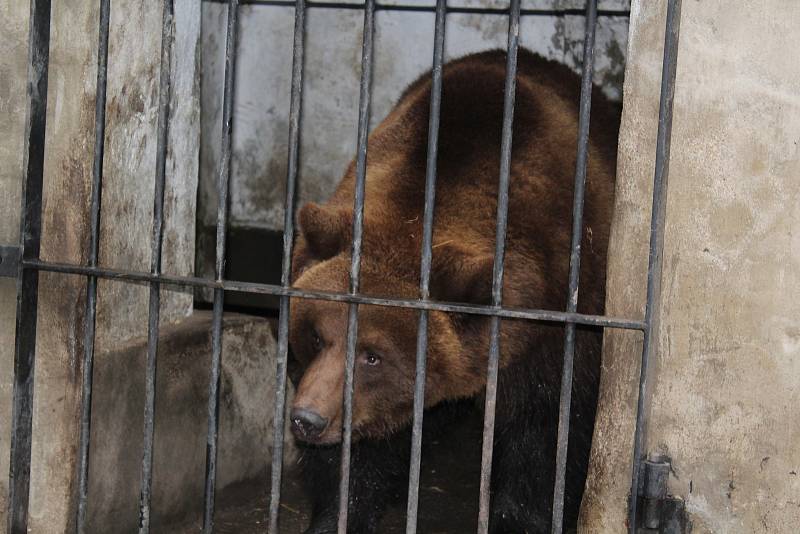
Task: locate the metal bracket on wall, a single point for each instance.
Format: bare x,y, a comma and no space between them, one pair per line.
659,513
9,261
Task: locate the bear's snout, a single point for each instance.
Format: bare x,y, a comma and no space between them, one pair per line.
307,424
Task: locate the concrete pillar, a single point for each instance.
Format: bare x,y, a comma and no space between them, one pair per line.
126,215
726,381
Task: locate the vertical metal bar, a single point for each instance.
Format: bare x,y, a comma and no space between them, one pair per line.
657,221
365,96
295,108
223,183
28,279
574,265
497,275
425,266
91,287
164,94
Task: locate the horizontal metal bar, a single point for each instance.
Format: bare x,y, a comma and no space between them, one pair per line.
532,314
556,12
9,260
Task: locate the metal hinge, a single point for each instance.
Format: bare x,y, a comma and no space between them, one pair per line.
659,513
9,261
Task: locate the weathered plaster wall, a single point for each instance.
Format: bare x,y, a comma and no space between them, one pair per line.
132,114
127,205
726,382
13,63
403,51
126,220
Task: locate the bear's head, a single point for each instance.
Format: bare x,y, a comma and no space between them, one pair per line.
385,350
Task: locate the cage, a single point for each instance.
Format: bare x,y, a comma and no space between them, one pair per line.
245,224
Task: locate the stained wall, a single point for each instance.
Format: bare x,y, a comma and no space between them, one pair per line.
725,384
403,52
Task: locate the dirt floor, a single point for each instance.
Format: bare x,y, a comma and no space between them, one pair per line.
448,493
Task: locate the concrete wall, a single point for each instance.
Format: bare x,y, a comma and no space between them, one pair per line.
248,368
132,114
127,209
403,51
126,216
726,380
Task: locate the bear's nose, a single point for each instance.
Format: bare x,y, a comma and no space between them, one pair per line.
307,423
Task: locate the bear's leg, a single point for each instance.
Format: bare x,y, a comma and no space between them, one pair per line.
522,480
378,475
523,472
319,468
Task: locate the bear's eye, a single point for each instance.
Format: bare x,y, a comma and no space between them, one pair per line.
316,341
370,358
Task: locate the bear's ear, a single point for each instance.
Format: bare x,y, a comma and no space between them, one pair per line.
458,275
326,229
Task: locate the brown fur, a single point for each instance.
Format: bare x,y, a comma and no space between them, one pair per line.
539,224
536,268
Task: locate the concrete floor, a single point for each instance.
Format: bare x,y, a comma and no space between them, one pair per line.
448,493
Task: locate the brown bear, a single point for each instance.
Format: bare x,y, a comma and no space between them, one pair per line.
536,270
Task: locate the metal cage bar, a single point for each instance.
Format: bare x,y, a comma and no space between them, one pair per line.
223,185
164,95
425,267
28,279
497,274
540,12
565,400
657,221
271,289
91,284
295,110
365,97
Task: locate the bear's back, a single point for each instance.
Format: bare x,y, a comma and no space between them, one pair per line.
468,167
